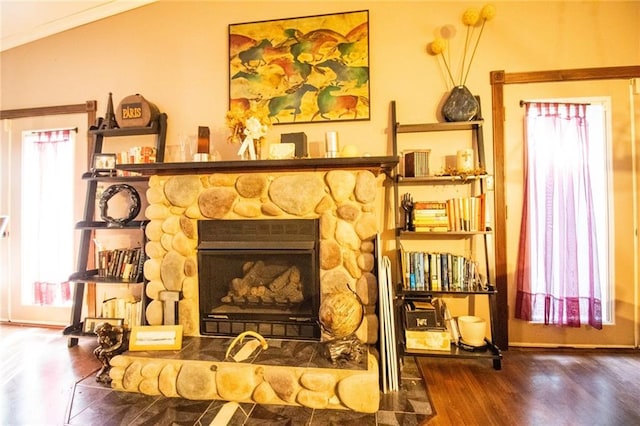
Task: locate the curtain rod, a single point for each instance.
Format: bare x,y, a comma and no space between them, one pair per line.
73,129
523,103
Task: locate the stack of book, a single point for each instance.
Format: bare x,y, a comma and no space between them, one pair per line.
129,309
431,216
125,264
430,271
467,213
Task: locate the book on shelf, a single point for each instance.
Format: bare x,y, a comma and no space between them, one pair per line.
430,216
129,309
435,271
467,213
123,263
464,214
416,163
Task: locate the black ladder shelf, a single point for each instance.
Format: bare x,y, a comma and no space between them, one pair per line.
404,295
88,225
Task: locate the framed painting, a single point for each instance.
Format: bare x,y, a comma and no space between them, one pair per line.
301,70
103,162
90,323
155,338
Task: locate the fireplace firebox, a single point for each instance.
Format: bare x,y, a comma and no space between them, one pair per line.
259,275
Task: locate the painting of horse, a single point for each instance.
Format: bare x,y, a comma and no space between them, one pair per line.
297,70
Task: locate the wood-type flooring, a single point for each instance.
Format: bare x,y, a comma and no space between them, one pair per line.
41,379
546,387
43,382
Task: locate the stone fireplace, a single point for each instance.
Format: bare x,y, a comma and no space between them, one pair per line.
339,197
342,201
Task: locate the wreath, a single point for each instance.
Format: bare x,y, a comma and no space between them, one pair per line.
134,204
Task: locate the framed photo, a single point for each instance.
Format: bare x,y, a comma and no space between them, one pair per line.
90,323
103,162
300,70
155,338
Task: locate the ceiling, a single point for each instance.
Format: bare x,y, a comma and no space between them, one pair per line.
22,22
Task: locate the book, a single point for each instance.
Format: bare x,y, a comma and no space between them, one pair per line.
416,163
433,268
467,214
431,216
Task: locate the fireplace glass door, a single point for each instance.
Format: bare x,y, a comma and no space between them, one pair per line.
259,275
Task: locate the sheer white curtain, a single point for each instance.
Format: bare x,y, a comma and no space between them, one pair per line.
558,275
47,216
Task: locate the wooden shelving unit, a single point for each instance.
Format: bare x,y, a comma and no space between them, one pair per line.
85,277
403,295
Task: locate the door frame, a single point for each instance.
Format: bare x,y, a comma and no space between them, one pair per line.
89,108
498,80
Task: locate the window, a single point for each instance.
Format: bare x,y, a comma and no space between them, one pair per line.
47,216
563,270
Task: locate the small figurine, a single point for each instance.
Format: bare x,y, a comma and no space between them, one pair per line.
345,349
112,342
407,206
109,121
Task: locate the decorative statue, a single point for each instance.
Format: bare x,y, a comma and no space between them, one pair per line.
254,130
112,342
345,349
341,313
407,206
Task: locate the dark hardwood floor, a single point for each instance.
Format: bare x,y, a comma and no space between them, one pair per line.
38,373
535,387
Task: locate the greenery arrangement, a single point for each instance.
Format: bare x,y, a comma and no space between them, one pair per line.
475,21
248,128
237,119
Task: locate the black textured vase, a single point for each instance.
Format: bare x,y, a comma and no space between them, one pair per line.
460,105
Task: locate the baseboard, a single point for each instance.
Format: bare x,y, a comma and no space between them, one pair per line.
30,324
567,346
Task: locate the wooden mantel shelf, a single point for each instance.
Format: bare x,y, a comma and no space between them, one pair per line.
374,164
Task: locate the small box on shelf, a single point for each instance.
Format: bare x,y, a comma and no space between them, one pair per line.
422,316
416,163
435,340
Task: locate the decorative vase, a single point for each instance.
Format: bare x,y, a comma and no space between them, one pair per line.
460,105
257,149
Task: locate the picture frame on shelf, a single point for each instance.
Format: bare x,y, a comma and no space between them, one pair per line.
103,164
90,323
155,338
299,70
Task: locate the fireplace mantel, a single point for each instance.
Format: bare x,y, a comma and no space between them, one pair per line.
376,165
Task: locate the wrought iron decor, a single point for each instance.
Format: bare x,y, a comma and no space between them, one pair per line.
134,204
300,70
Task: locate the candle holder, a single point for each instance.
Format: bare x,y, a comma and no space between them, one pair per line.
331,144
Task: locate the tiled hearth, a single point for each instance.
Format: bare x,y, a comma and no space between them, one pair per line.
287,372
346,202
93,403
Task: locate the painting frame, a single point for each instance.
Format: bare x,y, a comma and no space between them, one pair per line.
90,323
103,162
310,69
155,338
